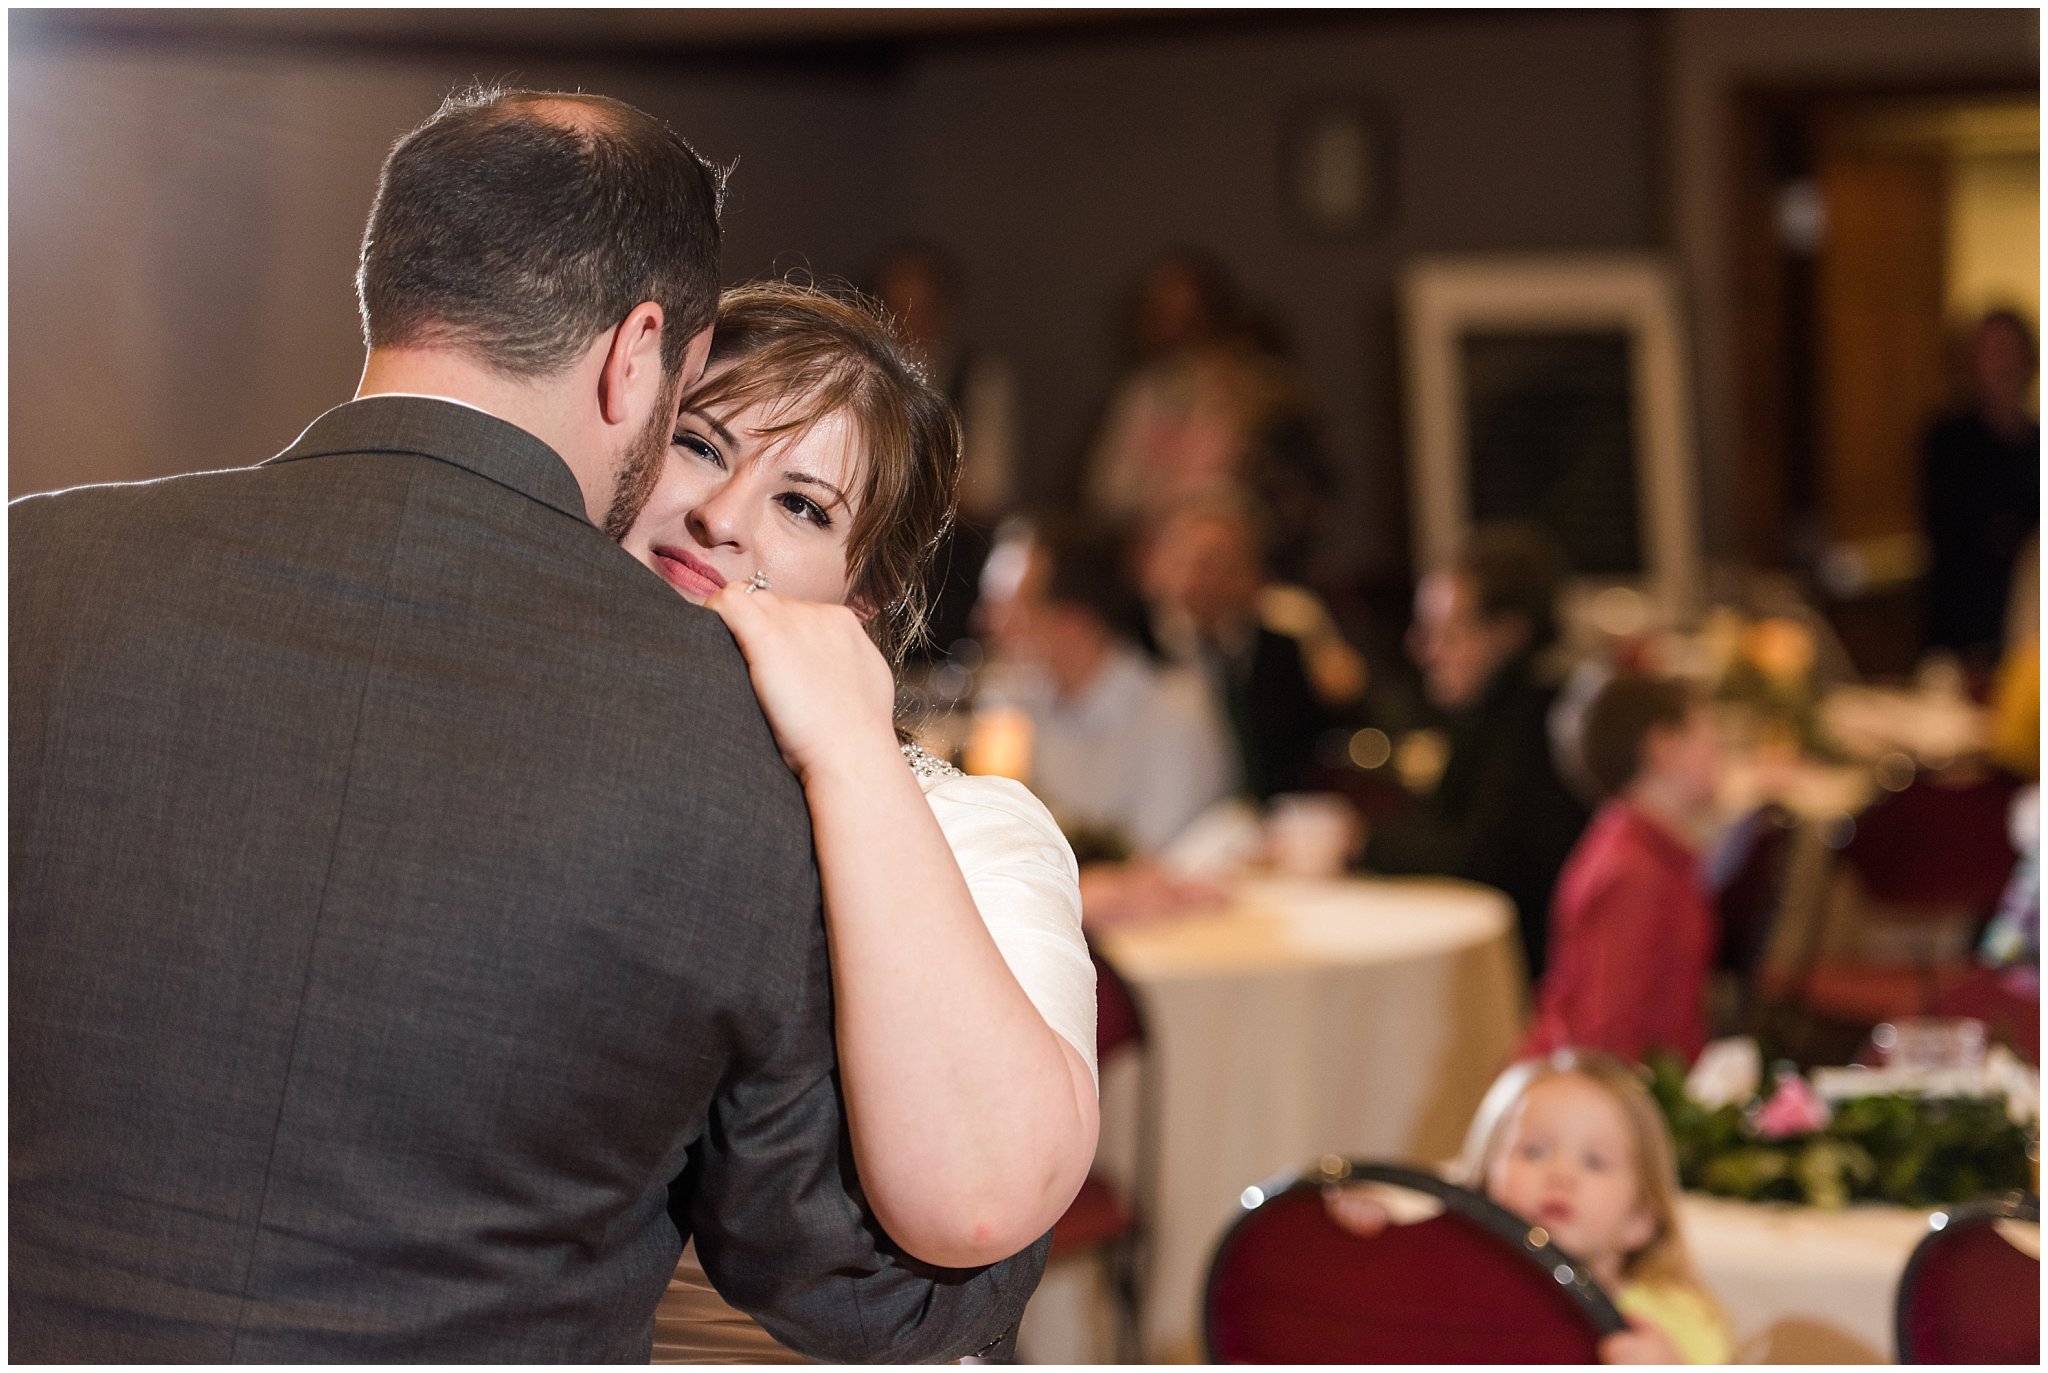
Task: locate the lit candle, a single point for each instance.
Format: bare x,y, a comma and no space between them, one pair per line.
1000,745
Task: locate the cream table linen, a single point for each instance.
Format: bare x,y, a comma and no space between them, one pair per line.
1358,1017
1801,1285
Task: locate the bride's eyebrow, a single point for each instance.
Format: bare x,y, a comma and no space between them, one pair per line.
724,434
806,479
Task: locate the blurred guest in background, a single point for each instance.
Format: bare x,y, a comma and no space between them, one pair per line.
2016,688
2013,938
1206,587
2004,990
919,287
1980,483
1632,934
1208,403
1117,741
1499,813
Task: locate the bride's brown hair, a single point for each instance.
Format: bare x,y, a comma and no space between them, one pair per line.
810,353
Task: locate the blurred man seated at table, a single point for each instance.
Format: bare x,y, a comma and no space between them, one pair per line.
1207,591
1119,746
1632,932
1499,812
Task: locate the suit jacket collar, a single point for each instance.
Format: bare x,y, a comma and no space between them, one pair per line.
443,431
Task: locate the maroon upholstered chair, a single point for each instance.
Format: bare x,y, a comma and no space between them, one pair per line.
1937,843
2007,1000
1472,1284
1749,877
1100,1219
1936,851
1969,1296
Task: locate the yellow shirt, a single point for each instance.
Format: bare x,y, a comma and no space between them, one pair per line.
2016,709
1686,1317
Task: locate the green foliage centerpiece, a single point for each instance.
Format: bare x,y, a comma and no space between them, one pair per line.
1908,1148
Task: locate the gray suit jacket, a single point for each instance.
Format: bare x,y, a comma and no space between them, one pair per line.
405,889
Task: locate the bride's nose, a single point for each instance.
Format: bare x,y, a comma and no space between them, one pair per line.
721,517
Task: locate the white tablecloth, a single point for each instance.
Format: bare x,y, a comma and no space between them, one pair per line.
1353,1017
1933,727
1801,1285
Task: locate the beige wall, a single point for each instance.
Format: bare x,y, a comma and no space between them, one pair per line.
1994,236
184,226
1058,170
184,218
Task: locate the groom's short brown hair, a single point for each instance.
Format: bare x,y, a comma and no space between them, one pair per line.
517,225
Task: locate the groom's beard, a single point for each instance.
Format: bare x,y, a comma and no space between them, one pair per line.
640,469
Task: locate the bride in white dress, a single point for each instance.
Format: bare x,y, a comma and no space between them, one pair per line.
811,473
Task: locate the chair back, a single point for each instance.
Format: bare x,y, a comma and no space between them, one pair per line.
1749,883
1937,846
1118,1020
1111,1219
1473,1284
1968,1295
2007,1000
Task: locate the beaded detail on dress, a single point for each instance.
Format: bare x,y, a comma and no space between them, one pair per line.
928,766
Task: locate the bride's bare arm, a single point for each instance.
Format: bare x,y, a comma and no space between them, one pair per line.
973,1121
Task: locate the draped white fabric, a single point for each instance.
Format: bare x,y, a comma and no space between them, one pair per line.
1024,882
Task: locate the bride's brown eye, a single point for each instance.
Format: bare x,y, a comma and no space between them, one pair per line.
692,443
804,508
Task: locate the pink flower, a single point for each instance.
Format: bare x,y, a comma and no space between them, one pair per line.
1792,1110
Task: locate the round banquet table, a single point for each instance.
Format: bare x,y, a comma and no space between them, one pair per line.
1801,1285
1309,1017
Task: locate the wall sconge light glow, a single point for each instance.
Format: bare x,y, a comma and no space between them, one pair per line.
1621,611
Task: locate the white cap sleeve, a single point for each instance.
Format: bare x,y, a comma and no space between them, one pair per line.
1026,885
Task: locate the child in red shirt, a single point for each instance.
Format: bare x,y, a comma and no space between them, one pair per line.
1632,933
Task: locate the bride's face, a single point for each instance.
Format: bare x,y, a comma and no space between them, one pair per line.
732,501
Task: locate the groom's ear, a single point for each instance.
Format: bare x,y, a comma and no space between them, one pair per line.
631,383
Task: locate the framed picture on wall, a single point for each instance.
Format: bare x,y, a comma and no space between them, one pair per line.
1337,168
1554,389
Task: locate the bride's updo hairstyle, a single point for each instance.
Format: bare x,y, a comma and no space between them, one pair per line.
810,354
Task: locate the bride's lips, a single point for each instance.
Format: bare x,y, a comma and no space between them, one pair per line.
691,576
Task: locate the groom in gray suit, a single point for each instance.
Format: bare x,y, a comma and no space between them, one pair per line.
406,888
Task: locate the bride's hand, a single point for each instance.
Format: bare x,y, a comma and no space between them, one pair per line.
824,685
